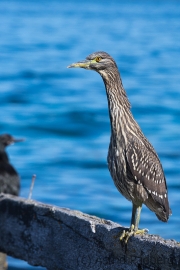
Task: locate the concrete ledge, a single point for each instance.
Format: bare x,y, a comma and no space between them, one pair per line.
62,239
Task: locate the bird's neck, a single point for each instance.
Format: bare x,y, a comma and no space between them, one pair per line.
3,155
119,105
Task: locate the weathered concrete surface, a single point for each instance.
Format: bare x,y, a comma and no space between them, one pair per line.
62,239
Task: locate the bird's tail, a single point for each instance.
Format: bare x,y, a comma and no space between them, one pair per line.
161,210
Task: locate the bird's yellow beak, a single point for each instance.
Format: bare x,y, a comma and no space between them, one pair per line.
82,64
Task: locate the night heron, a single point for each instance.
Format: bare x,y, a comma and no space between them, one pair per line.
132,161
9,178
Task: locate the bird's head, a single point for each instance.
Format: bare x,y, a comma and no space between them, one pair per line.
7,139
98,61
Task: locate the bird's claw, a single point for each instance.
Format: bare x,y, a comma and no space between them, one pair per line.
131,232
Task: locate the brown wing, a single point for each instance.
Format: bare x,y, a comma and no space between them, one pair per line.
147,171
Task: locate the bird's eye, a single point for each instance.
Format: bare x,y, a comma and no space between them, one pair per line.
98,59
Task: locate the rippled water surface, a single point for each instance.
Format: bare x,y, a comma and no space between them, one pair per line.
62,113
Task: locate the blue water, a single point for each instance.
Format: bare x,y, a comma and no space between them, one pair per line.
62,113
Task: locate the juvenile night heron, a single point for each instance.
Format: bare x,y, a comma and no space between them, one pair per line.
9,178
132,161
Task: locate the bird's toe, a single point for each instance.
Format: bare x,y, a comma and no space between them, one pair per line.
132,232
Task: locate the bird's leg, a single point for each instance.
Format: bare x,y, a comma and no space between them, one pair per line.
136,212
133,230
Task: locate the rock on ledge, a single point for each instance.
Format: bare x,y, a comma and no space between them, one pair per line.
63,239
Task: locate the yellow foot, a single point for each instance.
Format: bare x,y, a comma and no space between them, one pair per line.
131,232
